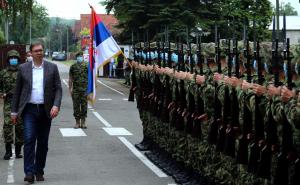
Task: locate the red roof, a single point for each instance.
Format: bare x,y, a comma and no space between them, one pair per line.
109,21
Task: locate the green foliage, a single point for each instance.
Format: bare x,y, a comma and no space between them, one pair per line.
16,7
287,9
142,16
59,34
19,32
2,38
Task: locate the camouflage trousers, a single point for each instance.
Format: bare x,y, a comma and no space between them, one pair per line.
12,132
79,105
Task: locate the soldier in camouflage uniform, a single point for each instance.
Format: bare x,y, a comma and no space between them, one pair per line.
8,78
77,85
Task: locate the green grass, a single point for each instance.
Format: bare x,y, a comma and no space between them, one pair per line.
68,62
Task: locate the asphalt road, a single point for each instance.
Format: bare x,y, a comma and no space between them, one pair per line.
103,154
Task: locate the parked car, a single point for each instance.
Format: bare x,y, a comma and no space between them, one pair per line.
60,57
54,54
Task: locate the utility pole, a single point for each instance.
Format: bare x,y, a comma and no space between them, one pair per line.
277,18
67,49
67,40
30,28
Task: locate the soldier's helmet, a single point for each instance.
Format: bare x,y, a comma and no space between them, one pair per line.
13,53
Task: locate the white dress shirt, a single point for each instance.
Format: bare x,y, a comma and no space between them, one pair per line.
37,91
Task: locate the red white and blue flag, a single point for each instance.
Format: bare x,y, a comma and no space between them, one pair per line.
103,47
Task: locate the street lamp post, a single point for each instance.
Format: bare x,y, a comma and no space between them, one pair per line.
58,30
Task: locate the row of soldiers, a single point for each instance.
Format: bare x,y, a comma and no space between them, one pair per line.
228,110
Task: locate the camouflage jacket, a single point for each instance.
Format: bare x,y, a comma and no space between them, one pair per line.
8,79
79,74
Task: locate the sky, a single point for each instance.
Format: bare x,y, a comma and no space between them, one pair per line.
71,9
294,3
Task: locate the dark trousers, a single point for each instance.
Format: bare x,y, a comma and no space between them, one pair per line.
36,134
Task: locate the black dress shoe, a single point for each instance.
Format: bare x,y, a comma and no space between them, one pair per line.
29,179
39,177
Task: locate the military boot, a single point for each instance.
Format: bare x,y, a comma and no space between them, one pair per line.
77,125
8,152
18,148
83,125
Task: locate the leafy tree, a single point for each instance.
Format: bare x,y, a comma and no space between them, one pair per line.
57,36
287,9
152,15
12,8
19,32
2,39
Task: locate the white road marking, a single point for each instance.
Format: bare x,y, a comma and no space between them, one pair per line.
117,131
71,132
139,155
125,99
110,87
10,169
105,99
65,82
101,119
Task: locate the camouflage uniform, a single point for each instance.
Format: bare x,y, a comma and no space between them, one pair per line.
78,73
8,78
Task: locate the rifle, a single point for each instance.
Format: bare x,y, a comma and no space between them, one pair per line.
242,154
133,75
167,95
199,55
229,145
191,98
199,104
254,148
214,125
284,158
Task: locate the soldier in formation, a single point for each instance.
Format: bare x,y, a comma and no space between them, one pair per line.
220,113
77,86
12,133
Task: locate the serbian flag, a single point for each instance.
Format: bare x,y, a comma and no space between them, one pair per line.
103,47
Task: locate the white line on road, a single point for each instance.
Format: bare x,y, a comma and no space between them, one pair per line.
117,131
125,99
105,99
139,155
110,87
101,119
10,170
71,132
65,82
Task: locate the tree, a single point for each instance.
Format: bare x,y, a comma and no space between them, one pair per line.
2,39
287,9
19,32
11,8
152,15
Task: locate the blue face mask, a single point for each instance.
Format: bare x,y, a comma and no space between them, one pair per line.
266,67
285,69
233,62
13,61
255,67
79,59
174,58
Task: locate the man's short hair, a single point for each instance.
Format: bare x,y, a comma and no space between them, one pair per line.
35,44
